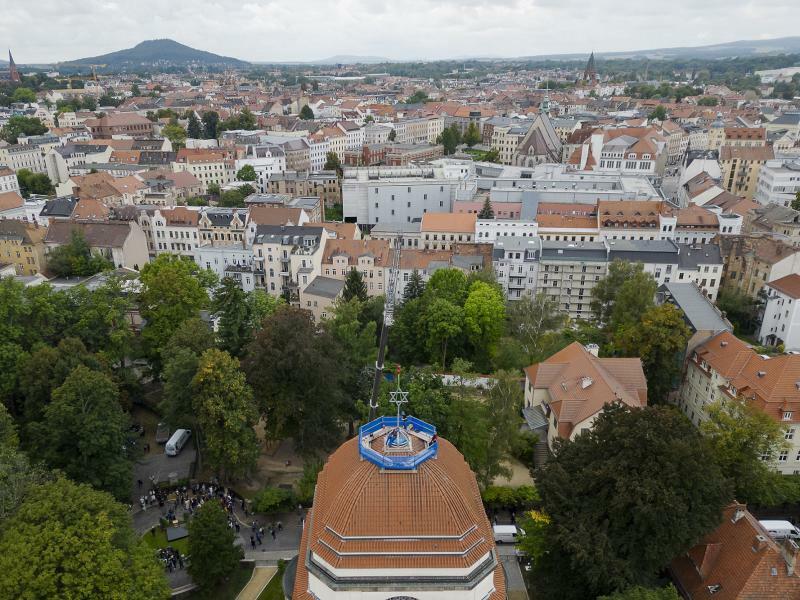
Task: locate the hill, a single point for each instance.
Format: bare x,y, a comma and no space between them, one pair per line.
156,52
741,48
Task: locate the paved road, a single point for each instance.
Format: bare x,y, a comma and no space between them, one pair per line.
259,580
515,583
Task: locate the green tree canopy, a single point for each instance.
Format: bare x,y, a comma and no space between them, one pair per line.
76,258
19,126
415,286
472,136
23,94
175,134
659,113
84,432
484,315
745,441
230,305
303,402
173,291
34,183
487,212
306,113
660,340
354,286
211,546
332,162
225,413
246,173
645,593
210,123
625,499
194,130
443,321
69,541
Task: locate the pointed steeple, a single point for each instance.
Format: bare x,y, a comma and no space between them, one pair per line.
13,74
590,73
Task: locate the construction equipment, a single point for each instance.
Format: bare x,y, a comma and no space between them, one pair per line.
388,320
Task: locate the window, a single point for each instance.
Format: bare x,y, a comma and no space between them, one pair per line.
787,415
783,456
789,434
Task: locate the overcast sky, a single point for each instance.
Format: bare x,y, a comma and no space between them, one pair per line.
54,30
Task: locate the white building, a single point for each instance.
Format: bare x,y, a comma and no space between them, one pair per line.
489,230
266,160
8,180
516,265
778,182
781,322
232,260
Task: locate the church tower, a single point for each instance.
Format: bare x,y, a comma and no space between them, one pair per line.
13,74
590,72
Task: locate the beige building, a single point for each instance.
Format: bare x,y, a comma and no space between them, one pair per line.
122,242
571,388
752,261
22,245
441,231
370,257
320,295
741,166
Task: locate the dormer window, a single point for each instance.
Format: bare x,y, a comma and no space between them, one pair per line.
787,415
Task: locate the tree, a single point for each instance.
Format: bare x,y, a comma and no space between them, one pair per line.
211,546
415,286
450,138
246,173
745,441
796,201
172,291
17,477
625,499
181,357
82,545
225,413
418,97
76,258
448,284
660,340
504,403
34,183
308,481
484,316
332,163
645,593
392,135
260,305
306,113
23,94
19,126
273,499
530,319
9,440
294,369
486,212
194,130
740,308
659,113
605,293
84,432
443,321
230,305
210,122
354,286
472,135
175,134
708,101
135,91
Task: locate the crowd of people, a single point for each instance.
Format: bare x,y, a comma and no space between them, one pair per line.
171,558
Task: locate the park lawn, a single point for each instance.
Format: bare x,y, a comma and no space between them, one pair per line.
274,589
159,540
229,589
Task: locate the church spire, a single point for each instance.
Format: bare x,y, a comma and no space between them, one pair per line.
590,73
13,74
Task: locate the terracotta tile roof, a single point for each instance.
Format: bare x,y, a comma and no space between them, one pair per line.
180,216
347,231
566,208
400,520
736,561
90,209
422,259
449,222
9,200
751,153
274,215
745,133
580,384
566,221
789,285
634,212
353,249
98,235
697,217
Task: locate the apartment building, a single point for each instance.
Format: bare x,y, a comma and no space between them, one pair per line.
778,182
207,165
23,156
231,260
741,167
569,271
440,231
725,367
290,257
515,261
8,180
324,185
751,261
370,257
423,130
780,325
121,124
170,230
22,246
222,226
267,160
121,242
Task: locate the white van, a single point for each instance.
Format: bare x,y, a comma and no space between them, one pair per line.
177,441
506,534
780,530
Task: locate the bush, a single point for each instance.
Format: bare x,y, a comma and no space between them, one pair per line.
307,483
273,499
523,448
523,497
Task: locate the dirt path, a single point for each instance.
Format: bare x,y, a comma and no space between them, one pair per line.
258,581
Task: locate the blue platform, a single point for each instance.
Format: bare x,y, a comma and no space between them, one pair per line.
395,462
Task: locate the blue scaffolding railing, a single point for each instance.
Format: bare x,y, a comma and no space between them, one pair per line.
395,462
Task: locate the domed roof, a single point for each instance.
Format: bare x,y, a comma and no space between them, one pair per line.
397,518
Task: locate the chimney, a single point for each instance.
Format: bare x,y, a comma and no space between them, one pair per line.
738,515
759,543
789,551
593,349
